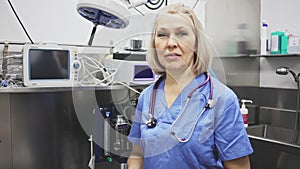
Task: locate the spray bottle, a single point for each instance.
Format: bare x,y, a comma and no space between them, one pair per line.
244,111
264,38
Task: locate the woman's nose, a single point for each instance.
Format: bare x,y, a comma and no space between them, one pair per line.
172,42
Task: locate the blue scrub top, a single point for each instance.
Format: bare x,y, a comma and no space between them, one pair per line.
215,136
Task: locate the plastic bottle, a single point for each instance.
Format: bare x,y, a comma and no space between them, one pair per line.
293,45
242,42
284,44
264,38
276,42
244,111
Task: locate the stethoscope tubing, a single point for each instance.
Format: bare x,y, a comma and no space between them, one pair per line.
153,96
184,140
155,87
210,103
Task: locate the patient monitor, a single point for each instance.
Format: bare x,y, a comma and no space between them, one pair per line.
50,65
131,72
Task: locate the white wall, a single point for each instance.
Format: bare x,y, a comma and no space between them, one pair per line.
281,14
52,21
223,18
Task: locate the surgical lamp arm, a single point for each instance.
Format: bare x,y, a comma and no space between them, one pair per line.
92,34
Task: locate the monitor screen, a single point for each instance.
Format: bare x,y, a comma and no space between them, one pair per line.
47,64
143,72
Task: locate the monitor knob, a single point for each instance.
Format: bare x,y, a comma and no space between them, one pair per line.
76,64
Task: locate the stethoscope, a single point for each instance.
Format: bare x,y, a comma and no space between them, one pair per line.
152,121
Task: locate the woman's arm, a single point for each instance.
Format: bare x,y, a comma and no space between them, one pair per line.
136,159
240,163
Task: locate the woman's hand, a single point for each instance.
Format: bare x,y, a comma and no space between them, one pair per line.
239,163
136,158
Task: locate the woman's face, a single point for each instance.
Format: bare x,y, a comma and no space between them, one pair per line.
175,42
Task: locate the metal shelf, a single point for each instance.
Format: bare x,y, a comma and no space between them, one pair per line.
259,55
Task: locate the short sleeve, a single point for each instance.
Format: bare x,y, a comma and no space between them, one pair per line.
231,138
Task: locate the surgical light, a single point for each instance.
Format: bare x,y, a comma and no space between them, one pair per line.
109,13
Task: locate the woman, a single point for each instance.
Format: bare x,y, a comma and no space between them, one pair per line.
187,119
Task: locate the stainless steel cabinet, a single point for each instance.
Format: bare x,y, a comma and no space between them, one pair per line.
39,128
5,132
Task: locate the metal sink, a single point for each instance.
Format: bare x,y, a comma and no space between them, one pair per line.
274,147
280,134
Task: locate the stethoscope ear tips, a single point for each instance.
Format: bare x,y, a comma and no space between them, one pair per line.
151,123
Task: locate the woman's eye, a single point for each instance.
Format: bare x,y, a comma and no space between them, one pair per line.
162,34
181,33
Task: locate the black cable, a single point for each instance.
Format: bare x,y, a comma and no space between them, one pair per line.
296,126
152,3
139,11
166,4
20,21
195,4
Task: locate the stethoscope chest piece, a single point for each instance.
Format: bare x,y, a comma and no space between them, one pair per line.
151,123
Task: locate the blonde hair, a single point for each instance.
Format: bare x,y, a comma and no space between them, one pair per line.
202,59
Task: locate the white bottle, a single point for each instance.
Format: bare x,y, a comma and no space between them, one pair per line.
264,39
244,111
294,41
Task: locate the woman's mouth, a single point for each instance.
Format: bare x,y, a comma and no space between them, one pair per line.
172,56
